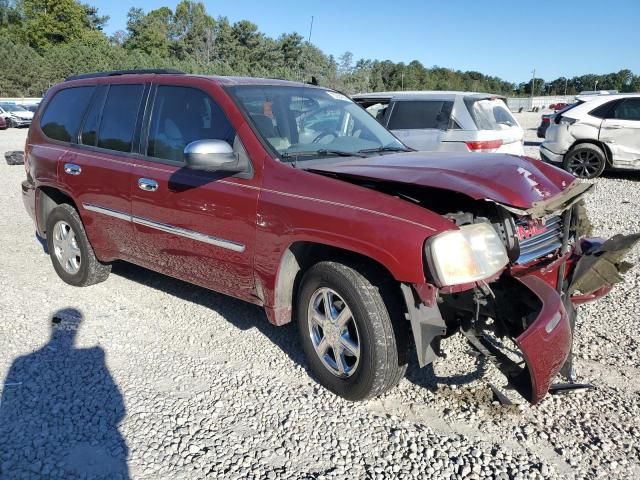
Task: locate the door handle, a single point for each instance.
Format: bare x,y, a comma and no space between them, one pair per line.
72,169
147,184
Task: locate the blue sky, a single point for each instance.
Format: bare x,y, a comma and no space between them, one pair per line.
496,37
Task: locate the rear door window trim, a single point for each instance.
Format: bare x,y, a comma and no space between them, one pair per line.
133,154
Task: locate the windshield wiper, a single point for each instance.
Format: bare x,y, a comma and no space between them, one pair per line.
323,152
385,149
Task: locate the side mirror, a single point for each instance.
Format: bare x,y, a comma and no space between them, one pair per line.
212,155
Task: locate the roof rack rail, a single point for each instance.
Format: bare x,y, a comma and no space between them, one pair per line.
113,73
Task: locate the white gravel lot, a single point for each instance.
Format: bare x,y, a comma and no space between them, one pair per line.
162,379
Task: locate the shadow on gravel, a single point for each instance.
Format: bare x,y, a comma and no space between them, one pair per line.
60,410
427,378
240,314
632,175
245,316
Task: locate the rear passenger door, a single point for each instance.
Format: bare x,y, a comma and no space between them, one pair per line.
195,225
621,132
97,169
420,124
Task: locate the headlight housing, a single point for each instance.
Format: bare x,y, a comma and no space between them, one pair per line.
473,253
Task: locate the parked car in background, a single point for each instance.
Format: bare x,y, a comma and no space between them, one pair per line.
591,135
3,123
32,107
292,197
544,124
558,106
447,121
547,118
15,115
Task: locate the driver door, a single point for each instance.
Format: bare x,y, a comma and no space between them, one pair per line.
196,225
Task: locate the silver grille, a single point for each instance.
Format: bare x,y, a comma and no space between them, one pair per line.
541,244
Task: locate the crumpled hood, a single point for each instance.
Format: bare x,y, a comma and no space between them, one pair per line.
519,182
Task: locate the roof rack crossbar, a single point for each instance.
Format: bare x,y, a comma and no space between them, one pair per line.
113,73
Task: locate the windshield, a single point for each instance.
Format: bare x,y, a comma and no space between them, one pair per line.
491,114
302,123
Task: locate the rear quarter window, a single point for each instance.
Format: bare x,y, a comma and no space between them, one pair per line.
490,114
420,114
63,114
603,110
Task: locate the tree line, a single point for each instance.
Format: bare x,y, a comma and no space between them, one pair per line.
44,41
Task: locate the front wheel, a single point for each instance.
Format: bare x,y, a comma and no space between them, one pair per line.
585,161
347,331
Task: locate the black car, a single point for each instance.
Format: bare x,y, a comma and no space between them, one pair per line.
544,123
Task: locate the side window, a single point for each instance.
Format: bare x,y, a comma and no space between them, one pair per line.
89,134
63,114
418,114
182,115
628,109
119,115
603,110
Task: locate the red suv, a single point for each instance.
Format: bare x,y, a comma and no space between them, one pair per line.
292,197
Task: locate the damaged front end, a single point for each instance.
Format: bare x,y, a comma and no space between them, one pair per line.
524,320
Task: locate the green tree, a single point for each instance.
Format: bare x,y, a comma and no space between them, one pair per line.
194,31
51,22
151,32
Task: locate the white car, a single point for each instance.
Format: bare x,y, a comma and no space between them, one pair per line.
596,132
15,115
447,121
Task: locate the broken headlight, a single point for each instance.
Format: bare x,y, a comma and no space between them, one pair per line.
473,253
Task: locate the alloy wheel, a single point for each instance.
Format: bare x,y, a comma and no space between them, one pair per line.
65,245
583,164
334,332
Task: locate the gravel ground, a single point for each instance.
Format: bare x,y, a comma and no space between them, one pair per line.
147,377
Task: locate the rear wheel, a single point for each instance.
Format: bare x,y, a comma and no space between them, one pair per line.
71,253
347,332
585,161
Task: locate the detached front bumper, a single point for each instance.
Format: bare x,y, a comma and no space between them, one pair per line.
545,345
591,270
526,305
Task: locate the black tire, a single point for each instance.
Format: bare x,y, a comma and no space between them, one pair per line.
382,338
90,270
10,123
585,160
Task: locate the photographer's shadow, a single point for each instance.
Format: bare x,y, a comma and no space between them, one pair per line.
60,411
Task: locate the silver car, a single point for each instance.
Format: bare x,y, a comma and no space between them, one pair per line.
447,121
596,132
15,115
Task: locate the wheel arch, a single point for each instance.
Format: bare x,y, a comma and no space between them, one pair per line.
605,148
300,256
48,198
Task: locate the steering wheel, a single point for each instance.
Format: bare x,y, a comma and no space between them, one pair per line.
321,135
